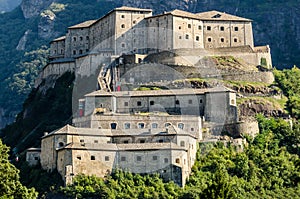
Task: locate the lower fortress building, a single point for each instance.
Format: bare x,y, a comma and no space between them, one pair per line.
144,132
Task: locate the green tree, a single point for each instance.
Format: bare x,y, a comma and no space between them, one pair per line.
10,186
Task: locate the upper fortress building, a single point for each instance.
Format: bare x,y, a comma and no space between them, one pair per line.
133,30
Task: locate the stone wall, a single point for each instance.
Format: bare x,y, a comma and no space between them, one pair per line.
266,77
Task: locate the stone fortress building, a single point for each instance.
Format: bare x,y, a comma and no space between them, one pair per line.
142,131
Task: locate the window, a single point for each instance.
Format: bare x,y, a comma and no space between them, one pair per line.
86,50
134,22
113,125
80,52
95,141
199,27
167,124
125,141
125,103
151,103
179,27
222,28
122,16
139,103
138,158
192,129
142,141
161,141
189,26
166,160
235,40
80,38
74,38
232,101
78,157
123,45
93,157
208,28
81,141
197,38
236,28
154,157
106,158
127,125
123,158
123,26
54,52
201,101
180,37
141,125
61,144
177,160
222,40
209,39
186,36
36,158
180,125
190,101
182,143
74,52
87,37
177,102
154,125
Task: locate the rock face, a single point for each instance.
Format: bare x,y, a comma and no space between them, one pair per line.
23,41
33,8
46,25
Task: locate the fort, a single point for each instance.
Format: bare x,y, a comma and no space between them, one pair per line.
153,131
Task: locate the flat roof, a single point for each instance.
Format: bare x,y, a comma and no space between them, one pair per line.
187,91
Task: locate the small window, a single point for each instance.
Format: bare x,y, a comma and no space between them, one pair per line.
180,125
81,141
61,144
123,158
142,141
208,28
190,101
139,103
125,142
179,27
209,39
125,103
138,158
113,125
232,101
166,160
54,51
154,125
123,26
96,141
151,103
74,38
182,143
141,125
93,157
192,129
167,124
154,157
222,28
177,160
80,52
201,101
235,40
189,26
87,37
177,102
127,125
36,158
186,36
123,45
180,37
78,157
80,38
199,27
222,40
86,50
74,52
236,28
106,158
134,22
122,16
161,141
197,38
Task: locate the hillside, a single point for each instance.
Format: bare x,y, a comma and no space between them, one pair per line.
8,5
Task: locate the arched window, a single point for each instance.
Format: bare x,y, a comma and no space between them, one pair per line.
182,143
113,125
180,125
154,125
61,144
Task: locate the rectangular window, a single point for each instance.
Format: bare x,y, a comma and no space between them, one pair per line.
125,103
151,103
154,157
139,103
138,158
93,157
189,26
95,141
236,28
123,158
197,38
106,158
166,160
81,141
222,28
141,125
208,28
199,27
190,101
